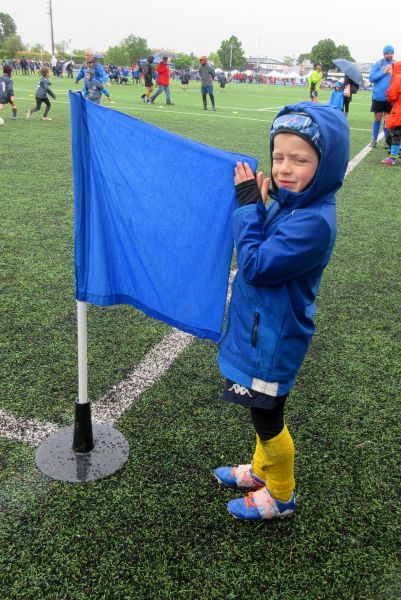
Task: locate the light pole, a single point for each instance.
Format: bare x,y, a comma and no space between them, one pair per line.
51,24
231,55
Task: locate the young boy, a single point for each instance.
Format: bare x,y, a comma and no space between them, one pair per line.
93,88
393,122
7,91
337,96
41,93
282,251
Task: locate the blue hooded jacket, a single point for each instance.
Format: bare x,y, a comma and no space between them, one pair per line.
337,98
282,251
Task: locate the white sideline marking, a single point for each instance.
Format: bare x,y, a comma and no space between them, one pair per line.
29,431
121,397
360,156
200,113
115,402
157,361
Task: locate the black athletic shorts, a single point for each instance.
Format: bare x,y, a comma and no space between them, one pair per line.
5,100
234,392
379,106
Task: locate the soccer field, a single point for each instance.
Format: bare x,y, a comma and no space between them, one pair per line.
159,529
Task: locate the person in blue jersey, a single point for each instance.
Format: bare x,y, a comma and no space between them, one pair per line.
124,75
337,96
282,251
92,64
380,76
7,91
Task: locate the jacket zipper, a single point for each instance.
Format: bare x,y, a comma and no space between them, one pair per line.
255,329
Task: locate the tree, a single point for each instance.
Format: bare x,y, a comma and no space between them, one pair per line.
325,51
136,48
289,60
231,54
12,44
215,59
302,57
117,55
62,47
37,48
7,26
129,50
183,61
343,52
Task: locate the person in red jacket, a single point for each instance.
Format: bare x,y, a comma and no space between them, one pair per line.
393,121
163,80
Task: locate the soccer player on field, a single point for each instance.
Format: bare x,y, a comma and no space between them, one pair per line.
7,91
42,91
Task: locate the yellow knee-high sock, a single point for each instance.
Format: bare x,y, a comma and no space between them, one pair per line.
273,461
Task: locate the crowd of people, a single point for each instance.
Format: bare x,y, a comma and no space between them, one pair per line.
384,78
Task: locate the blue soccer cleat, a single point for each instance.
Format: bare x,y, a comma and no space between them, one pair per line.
239,477
260,505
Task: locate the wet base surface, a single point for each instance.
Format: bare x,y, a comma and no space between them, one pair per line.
56,458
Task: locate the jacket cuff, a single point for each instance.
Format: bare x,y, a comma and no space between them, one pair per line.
248,192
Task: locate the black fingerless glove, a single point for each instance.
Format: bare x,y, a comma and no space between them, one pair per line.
248,192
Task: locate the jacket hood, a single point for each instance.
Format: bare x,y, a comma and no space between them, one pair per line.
334,155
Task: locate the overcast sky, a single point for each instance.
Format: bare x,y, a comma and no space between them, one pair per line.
264,28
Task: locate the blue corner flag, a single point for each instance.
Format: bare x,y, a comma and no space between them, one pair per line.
152,219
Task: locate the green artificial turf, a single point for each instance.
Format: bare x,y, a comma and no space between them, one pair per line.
159,529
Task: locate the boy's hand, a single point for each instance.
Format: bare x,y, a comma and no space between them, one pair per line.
263,185
243,172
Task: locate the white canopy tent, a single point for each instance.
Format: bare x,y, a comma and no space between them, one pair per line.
274,74
291,75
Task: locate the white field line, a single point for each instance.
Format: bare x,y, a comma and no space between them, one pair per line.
201,113
360,156
121,397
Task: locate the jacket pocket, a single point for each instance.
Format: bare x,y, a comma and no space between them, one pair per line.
255,329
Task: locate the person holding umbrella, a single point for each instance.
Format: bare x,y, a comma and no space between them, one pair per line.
349,88
380,76
352,81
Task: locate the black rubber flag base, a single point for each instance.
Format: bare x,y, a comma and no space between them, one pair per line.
82,452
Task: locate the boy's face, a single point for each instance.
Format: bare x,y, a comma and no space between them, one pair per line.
294,162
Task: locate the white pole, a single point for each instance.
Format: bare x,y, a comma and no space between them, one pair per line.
82,353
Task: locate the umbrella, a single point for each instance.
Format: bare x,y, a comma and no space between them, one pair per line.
349,69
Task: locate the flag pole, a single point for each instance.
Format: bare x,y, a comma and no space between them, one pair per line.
82,326
83,431
96,451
